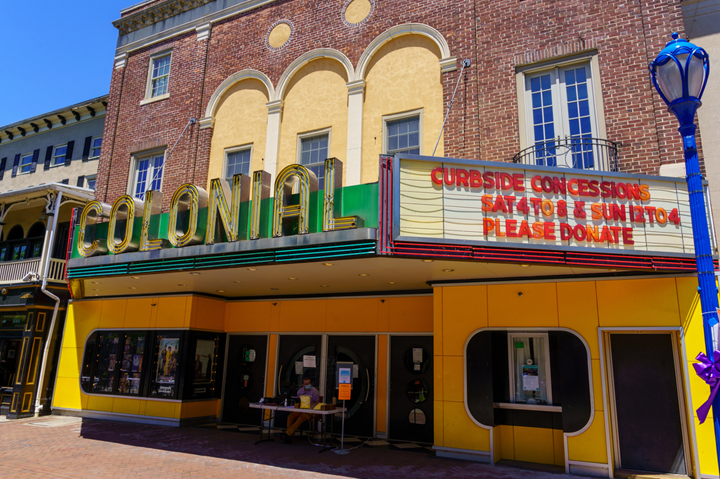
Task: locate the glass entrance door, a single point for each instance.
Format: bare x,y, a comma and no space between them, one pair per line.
411,388
360,351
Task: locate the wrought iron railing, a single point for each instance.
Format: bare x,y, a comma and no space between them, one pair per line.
572,152
15,271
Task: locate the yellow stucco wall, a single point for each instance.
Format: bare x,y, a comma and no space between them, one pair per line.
581,306
371,315
83,317
240,120
403,75
316,98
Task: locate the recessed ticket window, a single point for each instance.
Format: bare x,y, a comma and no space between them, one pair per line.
132,363
530,369
106,362
165,365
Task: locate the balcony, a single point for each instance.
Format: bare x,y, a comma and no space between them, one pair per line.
572,152
14,271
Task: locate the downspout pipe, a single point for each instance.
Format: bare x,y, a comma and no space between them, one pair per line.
43,288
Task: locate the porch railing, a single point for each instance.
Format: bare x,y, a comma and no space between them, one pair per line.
15,271
572,152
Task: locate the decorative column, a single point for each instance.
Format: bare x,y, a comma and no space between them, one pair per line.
273,139
356,99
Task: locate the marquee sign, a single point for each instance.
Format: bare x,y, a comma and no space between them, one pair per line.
490,203
221,207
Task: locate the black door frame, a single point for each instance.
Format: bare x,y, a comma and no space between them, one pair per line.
225,370
387,387
681,379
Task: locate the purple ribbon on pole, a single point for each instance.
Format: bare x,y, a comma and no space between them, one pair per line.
709,371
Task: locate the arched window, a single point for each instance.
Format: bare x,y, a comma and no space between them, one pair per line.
17,247
36,237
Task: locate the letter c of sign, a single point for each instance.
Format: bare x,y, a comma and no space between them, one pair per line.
434,175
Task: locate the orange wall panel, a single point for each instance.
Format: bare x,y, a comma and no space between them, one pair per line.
355,315
410,314
303,316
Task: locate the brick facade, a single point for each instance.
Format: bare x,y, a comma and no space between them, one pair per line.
483,124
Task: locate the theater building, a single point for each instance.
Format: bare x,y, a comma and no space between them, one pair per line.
277,193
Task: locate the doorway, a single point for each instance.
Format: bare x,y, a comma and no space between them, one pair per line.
359,350
296,353
245,379
411,389
647,404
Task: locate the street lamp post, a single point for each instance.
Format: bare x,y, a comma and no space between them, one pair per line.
679,74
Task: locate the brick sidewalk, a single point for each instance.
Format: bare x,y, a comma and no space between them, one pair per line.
70,447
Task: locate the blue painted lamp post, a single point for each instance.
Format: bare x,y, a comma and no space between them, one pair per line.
680,73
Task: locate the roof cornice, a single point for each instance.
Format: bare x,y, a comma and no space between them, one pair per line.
156,13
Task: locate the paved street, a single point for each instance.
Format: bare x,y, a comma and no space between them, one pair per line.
70,447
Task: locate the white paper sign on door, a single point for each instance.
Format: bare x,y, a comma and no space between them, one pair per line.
309,361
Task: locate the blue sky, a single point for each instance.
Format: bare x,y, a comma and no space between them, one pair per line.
55,54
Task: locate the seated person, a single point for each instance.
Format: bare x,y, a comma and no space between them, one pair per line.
295,419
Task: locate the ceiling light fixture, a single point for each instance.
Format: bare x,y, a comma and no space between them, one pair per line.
292,279
391,282
324,286
328,264
220,290
238,281
363,274
195,273
182,284
448,270
428,260
252,269
96,282
132,287
525,265
135,277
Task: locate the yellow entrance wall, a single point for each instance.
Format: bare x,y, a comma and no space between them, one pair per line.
83,317
581,306
410,314
347,315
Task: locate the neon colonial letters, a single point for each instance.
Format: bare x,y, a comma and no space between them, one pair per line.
192,199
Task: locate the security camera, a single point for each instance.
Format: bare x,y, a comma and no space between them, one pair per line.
31,276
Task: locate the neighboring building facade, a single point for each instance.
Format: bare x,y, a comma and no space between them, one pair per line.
61,146
507,287
42,159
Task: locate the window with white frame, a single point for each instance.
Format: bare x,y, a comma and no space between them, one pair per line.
90,182
561,117
148,174
59,155
159,75
237,161
95,146
314,150
26,163
530,369
402,135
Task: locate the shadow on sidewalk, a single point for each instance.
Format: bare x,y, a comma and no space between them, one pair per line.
363,462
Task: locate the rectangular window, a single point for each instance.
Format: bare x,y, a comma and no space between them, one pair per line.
159,75
95,146
561,117
530,369
314,150
26,163
148,175
18,252
165,365
237,162
106,363
59,155
403,135
132,363
90,182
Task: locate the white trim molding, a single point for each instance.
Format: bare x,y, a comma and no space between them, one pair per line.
272,141
398,31
121,60
306,58
203,31
353,158
228,83
448,64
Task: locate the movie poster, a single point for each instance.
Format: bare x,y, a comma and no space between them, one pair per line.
203,366
168,357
